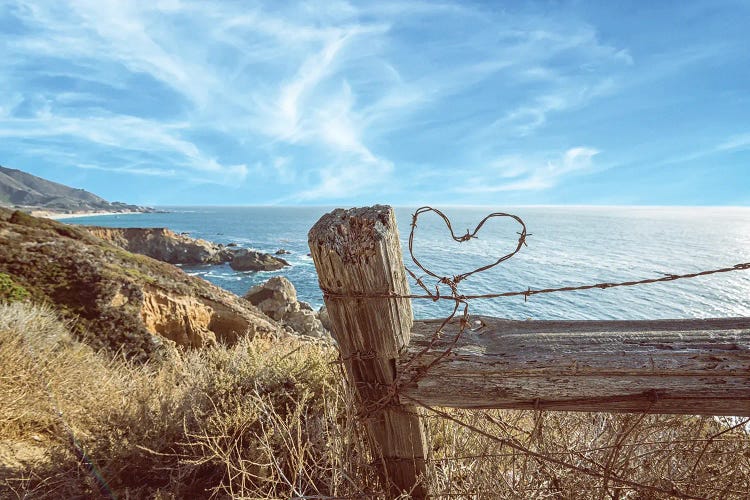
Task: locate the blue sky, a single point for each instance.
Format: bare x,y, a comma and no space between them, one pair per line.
172,102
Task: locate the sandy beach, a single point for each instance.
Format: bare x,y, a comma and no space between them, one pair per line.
57,215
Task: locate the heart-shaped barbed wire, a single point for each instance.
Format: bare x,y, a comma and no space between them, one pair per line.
453,281
460,301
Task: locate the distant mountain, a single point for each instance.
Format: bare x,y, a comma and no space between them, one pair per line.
22,190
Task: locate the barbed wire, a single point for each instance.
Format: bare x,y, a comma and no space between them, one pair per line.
605,475
391,394
575,288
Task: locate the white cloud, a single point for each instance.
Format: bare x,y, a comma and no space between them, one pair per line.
520,174
737,142
122,30
309,75
152,172
124,133
313,95
341,180
526,118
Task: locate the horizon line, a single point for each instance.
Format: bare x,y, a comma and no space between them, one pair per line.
328,205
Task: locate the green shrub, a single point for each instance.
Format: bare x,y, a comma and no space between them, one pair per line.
10,291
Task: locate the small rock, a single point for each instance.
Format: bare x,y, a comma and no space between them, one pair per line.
277,299
304,322
249,260
324,318
282,251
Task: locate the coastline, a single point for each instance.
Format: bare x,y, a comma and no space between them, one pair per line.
75,215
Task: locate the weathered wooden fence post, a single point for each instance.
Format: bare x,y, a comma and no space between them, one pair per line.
357,252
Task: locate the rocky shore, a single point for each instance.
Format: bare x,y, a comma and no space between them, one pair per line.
118,300
249,260
167,246
164,245
276,298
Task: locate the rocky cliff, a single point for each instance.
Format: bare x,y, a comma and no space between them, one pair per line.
164,245
116,299
167,246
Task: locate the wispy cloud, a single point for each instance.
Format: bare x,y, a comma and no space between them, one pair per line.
314,102
526,118
122,133
152,172
735,143
323,83
519,174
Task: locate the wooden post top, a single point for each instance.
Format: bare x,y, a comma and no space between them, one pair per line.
374,221
357,253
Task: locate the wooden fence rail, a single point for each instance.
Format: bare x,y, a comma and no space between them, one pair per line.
664,366
696,367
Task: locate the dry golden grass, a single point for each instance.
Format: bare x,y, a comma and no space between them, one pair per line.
260,419
273,419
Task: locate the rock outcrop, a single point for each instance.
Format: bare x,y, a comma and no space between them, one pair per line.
249,260
115,299
324,318
164,245
167,246
277,298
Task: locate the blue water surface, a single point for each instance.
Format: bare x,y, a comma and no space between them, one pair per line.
567,246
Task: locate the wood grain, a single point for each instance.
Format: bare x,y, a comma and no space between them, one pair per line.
663,366
357,252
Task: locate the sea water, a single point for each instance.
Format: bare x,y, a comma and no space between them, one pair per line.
567,246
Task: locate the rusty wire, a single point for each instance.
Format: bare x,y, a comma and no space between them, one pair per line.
461,301
606,475
455,280
461,306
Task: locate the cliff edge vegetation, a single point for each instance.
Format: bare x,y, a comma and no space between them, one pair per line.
115,299
262,418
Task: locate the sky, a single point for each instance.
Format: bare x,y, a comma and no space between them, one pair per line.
176,102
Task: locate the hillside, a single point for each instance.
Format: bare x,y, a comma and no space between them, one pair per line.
19,189
115,299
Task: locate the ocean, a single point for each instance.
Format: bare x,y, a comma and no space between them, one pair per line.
567,246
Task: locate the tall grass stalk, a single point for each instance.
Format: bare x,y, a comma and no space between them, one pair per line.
274,419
